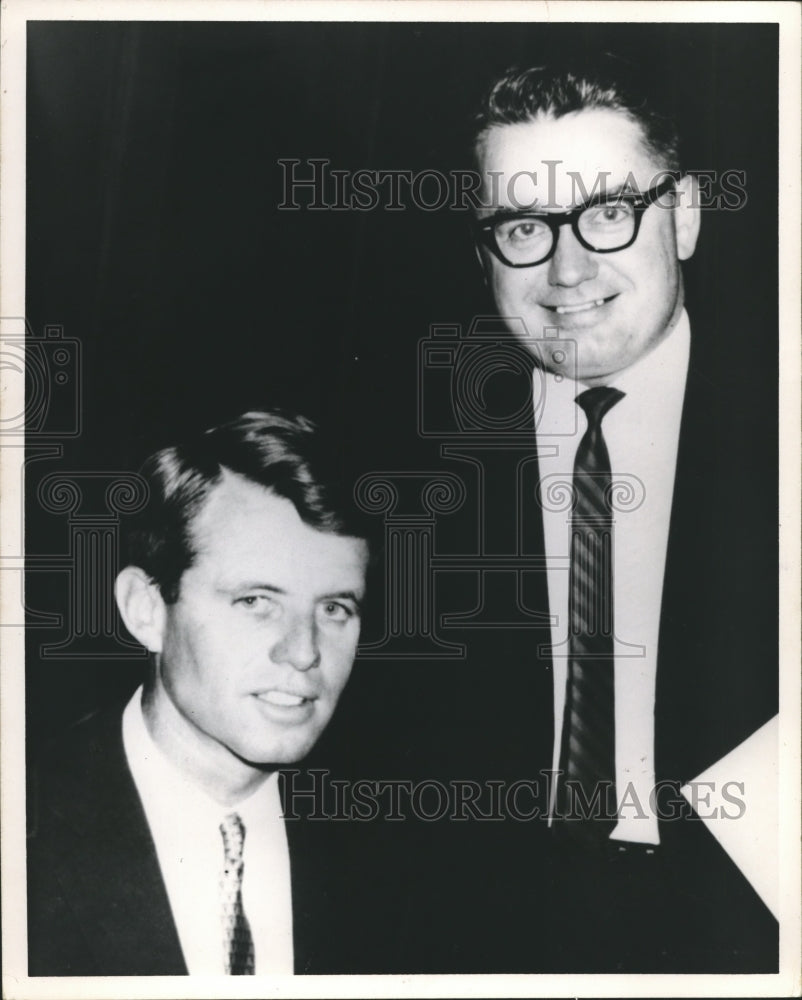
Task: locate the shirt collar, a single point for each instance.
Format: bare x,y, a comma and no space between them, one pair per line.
167,792
649,375
643,382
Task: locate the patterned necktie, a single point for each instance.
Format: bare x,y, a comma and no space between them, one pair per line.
586,789
237,940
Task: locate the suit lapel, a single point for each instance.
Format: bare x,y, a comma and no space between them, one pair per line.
110,873
682,620
353,894
717,659
318,931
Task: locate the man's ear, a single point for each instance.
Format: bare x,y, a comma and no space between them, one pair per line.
687,216
141,607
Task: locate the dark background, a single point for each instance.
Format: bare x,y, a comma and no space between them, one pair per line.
154,238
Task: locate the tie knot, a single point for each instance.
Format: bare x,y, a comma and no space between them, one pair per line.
597,401
233,832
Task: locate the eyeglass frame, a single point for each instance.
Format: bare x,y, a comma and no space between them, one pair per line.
484,229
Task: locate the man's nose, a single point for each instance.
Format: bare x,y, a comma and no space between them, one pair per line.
298,646
572,263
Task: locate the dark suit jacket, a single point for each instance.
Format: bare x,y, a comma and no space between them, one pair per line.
97,904
517,902
687,908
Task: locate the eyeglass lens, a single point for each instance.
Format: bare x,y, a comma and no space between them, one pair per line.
528,239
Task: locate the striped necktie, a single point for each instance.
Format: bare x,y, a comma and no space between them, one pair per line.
586,788
237,941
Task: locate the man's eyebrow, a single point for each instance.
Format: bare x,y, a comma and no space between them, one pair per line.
340,595
601,196
251,585
343,595
508,210
614,191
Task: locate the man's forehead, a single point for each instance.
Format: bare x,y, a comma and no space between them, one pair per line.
242,524
235,496
557,163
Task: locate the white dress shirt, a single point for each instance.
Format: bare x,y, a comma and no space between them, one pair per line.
642,436
185,825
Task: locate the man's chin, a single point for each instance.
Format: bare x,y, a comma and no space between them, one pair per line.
269,758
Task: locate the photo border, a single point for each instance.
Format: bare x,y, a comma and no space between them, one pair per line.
15,16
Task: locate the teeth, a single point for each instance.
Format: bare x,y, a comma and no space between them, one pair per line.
574,309
282,698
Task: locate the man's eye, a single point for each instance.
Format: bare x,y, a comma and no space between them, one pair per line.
258,602
607,214
523,231
335,612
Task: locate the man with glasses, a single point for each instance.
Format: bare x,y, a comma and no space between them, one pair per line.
659,544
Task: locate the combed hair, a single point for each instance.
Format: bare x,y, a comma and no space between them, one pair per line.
521,95
282,452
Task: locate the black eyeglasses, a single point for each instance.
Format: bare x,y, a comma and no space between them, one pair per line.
604,225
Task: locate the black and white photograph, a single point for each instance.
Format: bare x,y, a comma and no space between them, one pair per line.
400,498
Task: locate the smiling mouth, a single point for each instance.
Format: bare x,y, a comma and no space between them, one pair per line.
283,699
582,307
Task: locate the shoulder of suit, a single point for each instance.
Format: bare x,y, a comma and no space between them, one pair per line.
76,768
